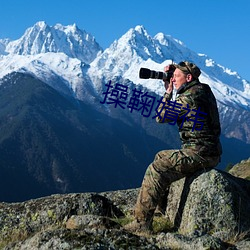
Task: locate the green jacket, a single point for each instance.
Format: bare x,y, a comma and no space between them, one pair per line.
196,114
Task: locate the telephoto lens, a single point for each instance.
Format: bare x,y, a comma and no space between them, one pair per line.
147,73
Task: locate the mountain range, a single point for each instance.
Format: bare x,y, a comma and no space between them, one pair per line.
58,135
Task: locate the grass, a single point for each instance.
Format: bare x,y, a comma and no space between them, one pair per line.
160,223
238,237
123,220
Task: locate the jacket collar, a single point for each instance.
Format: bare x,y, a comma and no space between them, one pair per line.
187,85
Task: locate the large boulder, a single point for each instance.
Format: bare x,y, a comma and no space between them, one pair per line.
210,202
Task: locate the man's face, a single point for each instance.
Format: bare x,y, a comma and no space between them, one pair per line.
179,78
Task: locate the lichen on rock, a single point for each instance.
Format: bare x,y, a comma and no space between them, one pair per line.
209,210
211,202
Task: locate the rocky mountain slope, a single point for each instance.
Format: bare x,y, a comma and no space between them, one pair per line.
207,211
51,143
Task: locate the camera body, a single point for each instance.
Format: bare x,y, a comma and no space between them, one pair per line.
146,73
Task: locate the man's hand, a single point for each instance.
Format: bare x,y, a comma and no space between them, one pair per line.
168,85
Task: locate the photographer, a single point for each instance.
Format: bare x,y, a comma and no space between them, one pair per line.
200,148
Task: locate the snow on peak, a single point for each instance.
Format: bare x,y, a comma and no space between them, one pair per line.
3,44
140,29
44,50
162,39
69,29
41,24
136,49
135,37
167,39
42,38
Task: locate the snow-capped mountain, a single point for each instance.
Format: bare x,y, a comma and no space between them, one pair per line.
49,141
70,40
137,49
64,73
71,61
50,54
75,56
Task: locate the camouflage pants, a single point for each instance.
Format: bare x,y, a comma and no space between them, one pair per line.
167,167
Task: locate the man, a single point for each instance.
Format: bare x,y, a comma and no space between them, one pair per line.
193,107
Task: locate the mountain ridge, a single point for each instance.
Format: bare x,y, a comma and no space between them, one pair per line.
135,49
55,141
42,38
146,51
55,144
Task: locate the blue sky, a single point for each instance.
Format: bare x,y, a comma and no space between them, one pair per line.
218,28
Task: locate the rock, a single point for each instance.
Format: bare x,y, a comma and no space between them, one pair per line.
178,241
20,220
212,202
209,210
241,169
90,221
124,199
63,239
243,245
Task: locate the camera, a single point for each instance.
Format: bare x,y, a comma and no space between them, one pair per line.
145,73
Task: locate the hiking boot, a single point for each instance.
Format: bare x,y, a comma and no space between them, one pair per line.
140,227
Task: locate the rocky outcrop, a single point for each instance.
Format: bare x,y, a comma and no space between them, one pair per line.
241,169
71,221
209,210
211,202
